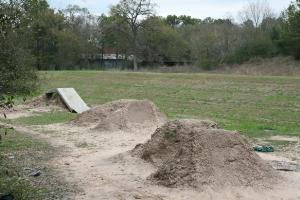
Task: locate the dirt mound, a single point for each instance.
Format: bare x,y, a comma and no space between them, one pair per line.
194,153
122,115
46,100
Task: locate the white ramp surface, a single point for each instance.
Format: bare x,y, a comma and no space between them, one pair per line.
72,100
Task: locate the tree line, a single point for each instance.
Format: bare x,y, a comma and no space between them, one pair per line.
34,36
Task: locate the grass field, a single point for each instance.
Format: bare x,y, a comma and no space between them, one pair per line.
256,106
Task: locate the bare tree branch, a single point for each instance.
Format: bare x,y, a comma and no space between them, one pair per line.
256,11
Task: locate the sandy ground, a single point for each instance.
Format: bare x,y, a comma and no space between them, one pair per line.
99,165
27,111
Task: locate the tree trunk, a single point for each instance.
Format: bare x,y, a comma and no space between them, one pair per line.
135,64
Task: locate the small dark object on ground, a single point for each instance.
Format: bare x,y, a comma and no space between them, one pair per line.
137,196
264,149
35,173
7,197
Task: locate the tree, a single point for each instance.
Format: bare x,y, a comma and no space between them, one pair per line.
79,19
256,11
290,42
161,43
17,72
176,21
188,20
78,42
173,21
44,27
113,34
133,12
257,32
211,41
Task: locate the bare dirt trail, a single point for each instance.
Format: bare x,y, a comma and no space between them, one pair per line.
98,163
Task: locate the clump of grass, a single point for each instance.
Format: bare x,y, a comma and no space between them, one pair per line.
14,141
46,118
20,189
170,135
3,120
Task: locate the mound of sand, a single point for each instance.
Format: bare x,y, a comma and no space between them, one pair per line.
195,153
122,115
45,101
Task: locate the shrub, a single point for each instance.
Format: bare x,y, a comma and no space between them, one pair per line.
17,74
206,64
259,47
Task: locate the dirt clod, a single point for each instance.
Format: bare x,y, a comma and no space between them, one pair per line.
121,115
195,154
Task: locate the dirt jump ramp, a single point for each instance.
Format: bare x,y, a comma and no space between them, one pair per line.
122,115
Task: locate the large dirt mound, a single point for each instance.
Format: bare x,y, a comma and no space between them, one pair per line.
122,115
195,153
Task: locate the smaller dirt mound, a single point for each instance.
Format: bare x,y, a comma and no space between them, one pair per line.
45,101
196,154
122,115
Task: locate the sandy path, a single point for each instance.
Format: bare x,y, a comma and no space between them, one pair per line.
98,164
27,111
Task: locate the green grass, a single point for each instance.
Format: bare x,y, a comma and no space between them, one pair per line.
46,118
5,121
19,151
14,141
256,106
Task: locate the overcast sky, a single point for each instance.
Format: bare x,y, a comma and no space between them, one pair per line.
195,8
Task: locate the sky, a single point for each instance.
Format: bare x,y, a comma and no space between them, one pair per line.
195,8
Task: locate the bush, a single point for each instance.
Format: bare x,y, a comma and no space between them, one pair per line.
206,64
17,76
261,47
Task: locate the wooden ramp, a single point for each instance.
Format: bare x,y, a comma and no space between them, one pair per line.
72,99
